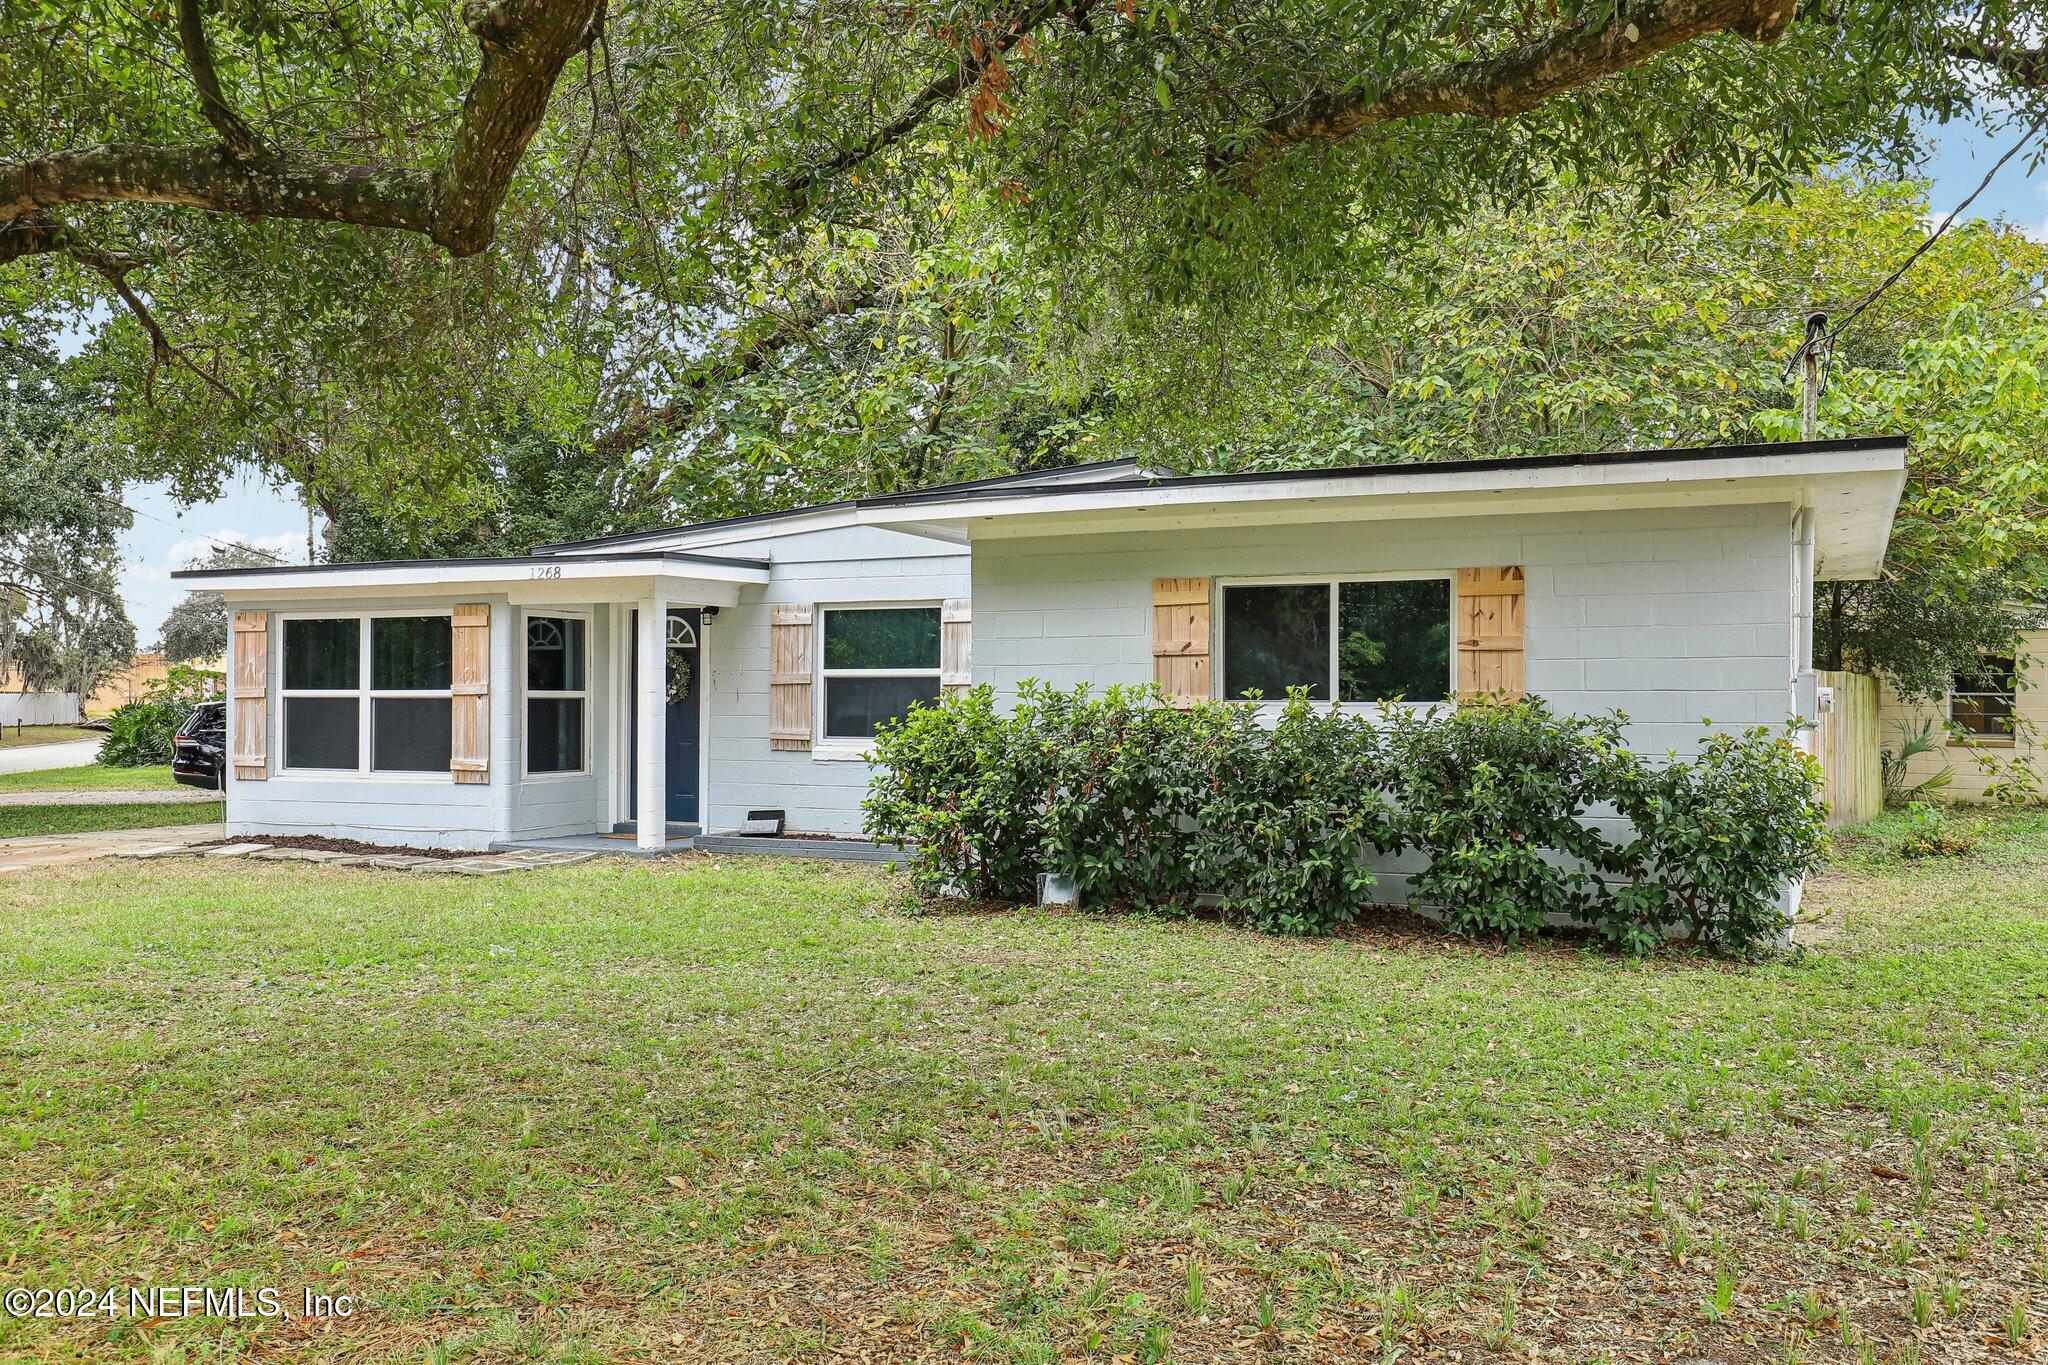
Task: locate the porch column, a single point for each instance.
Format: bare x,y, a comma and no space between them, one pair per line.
651,652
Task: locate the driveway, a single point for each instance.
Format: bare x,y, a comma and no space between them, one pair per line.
31,758
35,850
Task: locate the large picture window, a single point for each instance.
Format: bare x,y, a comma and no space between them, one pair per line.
367,693
1355,640
1981,702
876,662
557,693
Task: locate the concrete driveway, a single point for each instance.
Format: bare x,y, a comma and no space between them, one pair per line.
31,758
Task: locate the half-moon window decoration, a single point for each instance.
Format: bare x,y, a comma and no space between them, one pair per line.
681,634
543,633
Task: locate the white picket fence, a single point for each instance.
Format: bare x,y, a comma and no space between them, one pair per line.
39,708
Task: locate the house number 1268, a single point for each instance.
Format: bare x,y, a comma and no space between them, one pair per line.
547,571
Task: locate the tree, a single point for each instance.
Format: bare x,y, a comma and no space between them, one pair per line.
62,624
197,626
351,244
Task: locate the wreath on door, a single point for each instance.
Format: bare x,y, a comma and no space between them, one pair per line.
680,674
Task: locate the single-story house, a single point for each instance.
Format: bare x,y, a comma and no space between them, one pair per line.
711,670
1988,731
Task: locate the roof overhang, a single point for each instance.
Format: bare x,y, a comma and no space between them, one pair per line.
1853,488
704,580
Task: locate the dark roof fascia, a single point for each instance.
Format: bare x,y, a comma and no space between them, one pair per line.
1478,466
509,561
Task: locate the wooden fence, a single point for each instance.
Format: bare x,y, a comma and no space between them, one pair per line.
1847,746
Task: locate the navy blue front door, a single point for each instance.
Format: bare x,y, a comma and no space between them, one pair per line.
685,677
685,721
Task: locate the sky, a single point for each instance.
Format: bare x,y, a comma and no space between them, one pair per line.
166,536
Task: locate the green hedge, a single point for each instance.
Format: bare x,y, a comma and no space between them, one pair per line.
1148,805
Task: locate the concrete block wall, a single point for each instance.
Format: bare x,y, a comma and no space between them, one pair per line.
1671,615
819,789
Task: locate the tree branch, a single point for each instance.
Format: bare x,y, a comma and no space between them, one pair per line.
236,134
2026,66
1517,81
525,45
643,424
1003,35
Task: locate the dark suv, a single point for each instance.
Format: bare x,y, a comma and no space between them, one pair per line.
199,753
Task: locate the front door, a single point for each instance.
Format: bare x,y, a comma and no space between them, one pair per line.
685,677
685,729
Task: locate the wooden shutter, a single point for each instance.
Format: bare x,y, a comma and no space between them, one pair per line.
1180,638
789,675
956,669
249,684
1490,632
470,740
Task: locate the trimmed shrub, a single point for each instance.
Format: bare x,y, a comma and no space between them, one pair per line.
140,734
1497,794
1280,814
1718,838
1286,821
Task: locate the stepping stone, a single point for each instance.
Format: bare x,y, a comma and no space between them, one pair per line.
147,851
281,855
232,850
390,862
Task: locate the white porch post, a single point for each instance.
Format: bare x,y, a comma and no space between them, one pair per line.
651,650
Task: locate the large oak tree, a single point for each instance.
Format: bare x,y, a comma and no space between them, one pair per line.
352,240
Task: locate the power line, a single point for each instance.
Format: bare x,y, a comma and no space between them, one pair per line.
1836,331
19,567
236,544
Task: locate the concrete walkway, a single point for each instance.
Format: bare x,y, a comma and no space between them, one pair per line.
152,796
47,850
34,758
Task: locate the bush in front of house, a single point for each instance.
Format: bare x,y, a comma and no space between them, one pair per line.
140,734
1526,818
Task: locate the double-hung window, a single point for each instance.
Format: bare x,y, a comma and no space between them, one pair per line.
557,693
876,662
367,693
1354,640
1981,702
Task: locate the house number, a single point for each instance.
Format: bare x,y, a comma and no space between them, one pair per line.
547,571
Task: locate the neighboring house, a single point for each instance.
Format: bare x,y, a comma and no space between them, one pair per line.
128,684
711,670
1992,725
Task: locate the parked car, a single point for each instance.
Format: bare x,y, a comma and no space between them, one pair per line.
199,752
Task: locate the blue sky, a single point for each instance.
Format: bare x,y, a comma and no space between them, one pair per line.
166,536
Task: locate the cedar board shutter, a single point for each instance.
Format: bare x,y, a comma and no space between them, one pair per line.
789,675
1490,633
1180,638
956,672
470,713
249,685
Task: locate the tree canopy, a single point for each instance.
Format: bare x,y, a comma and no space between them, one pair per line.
355,243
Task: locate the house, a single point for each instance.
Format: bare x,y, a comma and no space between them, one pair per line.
1987,735
711,670
132,683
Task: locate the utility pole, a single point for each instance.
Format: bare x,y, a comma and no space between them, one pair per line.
1809,376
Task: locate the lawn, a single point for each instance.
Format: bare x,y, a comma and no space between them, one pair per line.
90,777
750,1109
15,737
16,821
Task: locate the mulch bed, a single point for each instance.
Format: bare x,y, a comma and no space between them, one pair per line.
316,844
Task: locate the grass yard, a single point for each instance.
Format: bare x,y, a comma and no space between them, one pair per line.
16,821
748,1109
18,737
90,777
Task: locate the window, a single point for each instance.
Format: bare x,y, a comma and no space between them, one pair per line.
399,723
1981,702
557,693
1357,640
876,662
